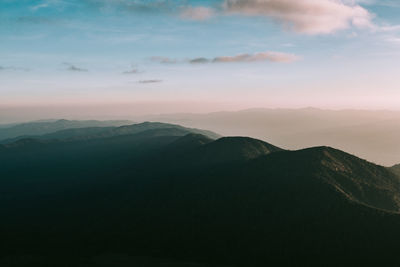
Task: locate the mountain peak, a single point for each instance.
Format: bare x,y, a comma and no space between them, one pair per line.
230,149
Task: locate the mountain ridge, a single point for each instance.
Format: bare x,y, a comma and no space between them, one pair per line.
166,193
76,134
45,127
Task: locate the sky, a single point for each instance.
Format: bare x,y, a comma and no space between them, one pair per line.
195,56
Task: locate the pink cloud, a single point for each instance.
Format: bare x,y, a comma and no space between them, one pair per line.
197,13
305,16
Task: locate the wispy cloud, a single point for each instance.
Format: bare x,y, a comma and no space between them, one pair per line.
133,70
39,6
386,3
12,68
389,28
258,57
199,60
163,60
269,56
59,4
73,68
150,81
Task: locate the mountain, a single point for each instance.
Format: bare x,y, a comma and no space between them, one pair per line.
396,169
368,134
228,150
156,193
140,127
105,132
44,127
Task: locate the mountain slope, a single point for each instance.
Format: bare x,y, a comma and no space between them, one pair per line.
40,128
228,150
234,201
353,178
135,128
107,132
396,169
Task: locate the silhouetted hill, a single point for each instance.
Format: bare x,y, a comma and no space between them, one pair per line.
39,128
234,201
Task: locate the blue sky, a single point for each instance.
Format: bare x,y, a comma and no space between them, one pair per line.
225,54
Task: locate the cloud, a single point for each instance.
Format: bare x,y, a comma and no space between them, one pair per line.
301,16
389,28
264,56
305,16
132,71
39,6
12,68
385,3
270,56
163,60
150,81
199,60
197,13
73,68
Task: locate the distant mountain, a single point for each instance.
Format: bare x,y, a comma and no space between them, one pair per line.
145,126
368,134
44,127
155,190
104,132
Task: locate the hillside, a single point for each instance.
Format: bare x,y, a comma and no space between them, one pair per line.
396,169
228,150
91,133
234,201
39,128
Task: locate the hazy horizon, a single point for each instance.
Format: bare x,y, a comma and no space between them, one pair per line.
20,114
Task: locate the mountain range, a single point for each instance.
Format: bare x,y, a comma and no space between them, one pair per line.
372,135
188,197
51,126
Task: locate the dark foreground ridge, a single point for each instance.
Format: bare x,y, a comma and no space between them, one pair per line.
164,195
